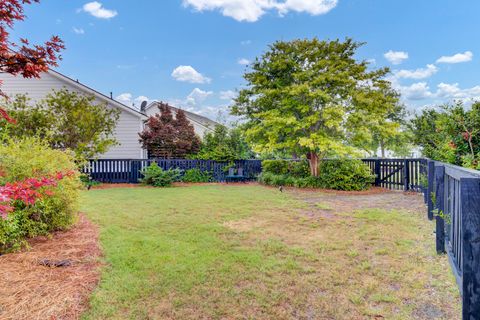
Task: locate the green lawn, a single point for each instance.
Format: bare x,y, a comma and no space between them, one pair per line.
249,252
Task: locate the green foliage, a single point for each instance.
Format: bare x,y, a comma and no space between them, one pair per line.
313,98
30,158
155,176
346,174
297,169
224,145
87,181
450,134
166,136
66,120
337,174
196,176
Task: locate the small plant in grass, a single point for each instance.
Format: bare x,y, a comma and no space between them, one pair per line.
155,176
88,182
196,176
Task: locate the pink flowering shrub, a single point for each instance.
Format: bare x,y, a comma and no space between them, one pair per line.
39,190
27,192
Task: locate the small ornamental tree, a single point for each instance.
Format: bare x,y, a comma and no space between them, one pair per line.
24,59
66,120
168,137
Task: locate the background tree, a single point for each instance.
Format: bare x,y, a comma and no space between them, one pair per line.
224,144
168,137
450,133
66,120
311,97
24,59
390,132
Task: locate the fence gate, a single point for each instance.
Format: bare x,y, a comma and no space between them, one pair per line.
399,174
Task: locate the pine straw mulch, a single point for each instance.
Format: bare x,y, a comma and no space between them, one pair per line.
30,290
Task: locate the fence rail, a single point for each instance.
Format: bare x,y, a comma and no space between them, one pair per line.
129,171
454,195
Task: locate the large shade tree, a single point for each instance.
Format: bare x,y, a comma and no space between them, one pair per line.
22,58
166,136
311,97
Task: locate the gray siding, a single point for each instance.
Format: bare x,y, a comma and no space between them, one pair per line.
129,123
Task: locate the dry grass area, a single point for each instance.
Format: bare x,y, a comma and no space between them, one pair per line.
251,252
30,290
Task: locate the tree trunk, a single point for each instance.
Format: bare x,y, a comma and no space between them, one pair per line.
313,162
382,148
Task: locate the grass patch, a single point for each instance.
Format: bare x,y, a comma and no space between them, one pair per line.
233,252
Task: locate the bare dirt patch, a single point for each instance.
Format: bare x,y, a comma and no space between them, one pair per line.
31,289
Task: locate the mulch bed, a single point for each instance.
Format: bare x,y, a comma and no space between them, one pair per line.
54,277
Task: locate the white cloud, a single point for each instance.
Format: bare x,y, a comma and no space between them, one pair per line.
243,61
396,57
189,74
416,91
245,42
457,58
78,30
228,95
252,10
420,73
127,99
197,96
97,10
453,91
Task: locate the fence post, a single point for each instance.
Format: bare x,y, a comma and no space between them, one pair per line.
431,179
440,206
406,175
378,163
470,211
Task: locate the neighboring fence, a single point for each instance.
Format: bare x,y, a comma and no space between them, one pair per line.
454,201
128,171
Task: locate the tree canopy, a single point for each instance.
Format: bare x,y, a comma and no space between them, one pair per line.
450,133
314,98
166,136
66,120
224,144
22,58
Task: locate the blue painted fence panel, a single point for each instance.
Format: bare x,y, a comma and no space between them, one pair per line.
129,171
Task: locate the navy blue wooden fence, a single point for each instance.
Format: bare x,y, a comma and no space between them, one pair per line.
454,194
129,171
399,174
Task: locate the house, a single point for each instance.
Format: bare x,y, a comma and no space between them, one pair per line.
130,123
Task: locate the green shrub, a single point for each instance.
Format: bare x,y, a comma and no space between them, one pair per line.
346,174
155,176
87,181
277,167
299,169
196,176
338,174
30,158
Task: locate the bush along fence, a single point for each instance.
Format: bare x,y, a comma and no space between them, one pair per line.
396,174
454,203
128,171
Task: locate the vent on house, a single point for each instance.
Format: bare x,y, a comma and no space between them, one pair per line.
143,106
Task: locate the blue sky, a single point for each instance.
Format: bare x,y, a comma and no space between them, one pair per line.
192,53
